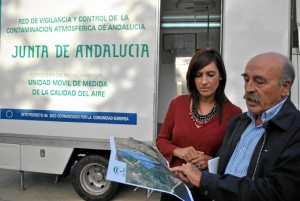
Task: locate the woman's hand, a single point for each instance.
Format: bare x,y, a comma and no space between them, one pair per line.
190,154
187,153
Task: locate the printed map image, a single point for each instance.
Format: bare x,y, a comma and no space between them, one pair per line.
136,163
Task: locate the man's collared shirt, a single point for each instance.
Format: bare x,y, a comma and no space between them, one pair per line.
240,159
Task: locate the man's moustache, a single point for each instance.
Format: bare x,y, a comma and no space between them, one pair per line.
251,97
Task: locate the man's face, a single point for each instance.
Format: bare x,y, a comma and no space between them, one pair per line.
262,88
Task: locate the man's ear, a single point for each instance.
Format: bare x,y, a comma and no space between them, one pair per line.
286,88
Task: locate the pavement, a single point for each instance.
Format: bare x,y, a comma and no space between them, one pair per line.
42,187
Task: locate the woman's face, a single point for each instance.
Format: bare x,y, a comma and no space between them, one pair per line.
207,80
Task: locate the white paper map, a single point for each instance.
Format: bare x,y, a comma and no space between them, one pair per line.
136,163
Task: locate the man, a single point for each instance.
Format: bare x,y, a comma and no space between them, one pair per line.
260,155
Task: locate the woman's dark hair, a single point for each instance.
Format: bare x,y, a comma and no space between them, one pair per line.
201,59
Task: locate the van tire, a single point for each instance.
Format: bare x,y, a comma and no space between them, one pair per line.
89,179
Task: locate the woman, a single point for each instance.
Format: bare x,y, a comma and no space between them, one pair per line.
194,125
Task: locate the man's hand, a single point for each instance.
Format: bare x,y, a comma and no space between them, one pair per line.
188,173
202,159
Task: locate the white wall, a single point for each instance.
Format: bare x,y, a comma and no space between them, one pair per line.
252,27
295,95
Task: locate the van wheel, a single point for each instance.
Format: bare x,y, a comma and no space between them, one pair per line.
89,179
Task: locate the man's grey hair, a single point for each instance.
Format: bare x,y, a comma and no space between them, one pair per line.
288,73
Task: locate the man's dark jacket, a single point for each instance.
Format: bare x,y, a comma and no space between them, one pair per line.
274,170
